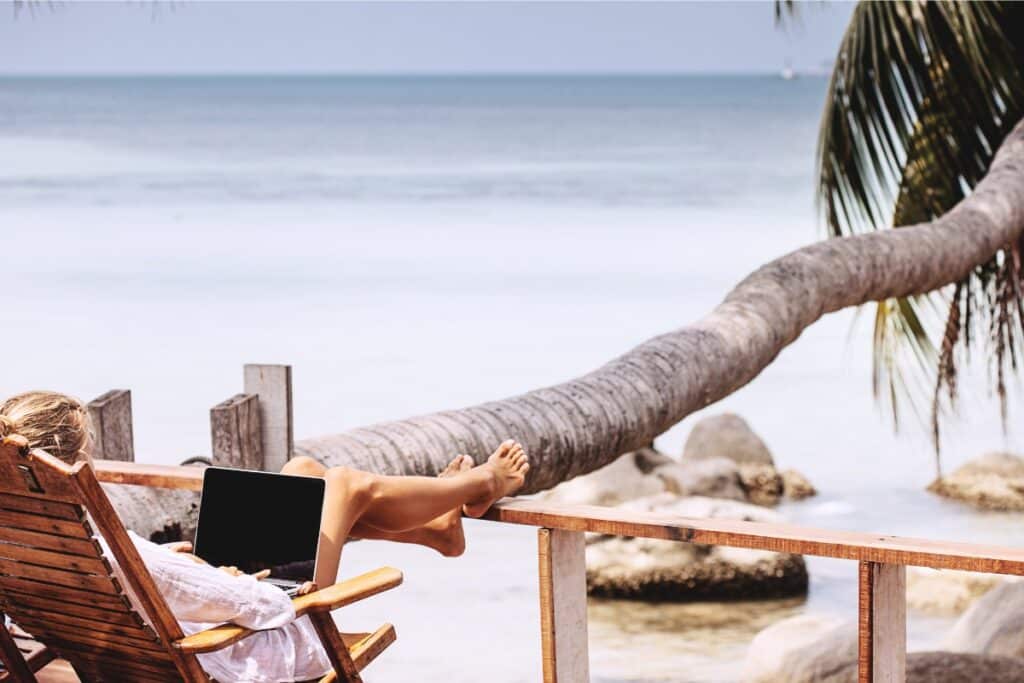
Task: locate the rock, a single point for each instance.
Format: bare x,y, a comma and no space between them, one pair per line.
648,569
803,649
995,481
815,649
726,436
161,515
795,486
648,472
947,591
993,625
762,484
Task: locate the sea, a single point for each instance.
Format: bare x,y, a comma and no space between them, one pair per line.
414,243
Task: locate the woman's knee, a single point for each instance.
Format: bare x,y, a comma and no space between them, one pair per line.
359,488
303,465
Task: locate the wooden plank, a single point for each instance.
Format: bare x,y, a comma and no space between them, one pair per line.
33,474
156,476
49,558
134,630
882,622
14,602
272,384
52,629
91,582
61,544
111,416
788,538
63,593
47,525
39,506
369,648
236,434
563,606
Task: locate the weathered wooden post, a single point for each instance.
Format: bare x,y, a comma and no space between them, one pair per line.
111,417
253,430
272,384
563,606
235,433
882,642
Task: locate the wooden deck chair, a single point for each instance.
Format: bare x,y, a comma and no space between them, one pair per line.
57,584
21,655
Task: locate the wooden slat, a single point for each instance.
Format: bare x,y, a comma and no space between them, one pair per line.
272,385
48,525
563,606
96,658
39,506
14,602
786,538
64,593
44,541
52,629
90,582
121,672
882,641
111,417
49,558
155,476
134,630
22,475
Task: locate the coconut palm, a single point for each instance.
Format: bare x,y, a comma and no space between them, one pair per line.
920,130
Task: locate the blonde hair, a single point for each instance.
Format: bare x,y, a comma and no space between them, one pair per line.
55,423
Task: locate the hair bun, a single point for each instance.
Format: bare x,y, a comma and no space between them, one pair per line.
7,426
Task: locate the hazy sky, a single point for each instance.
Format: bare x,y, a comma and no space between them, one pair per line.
161,36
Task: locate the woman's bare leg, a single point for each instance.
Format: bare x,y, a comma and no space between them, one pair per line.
397,504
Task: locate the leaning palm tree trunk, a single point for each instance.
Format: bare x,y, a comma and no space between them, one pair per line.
581,425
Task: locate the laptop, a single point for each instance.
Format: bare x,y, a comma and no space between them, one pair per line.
259,520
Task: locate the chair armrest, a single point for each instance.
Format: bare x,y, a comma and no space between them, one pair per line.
349,591
325,600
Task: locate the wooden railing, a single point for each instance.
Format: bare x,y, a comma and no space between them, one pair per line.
254,430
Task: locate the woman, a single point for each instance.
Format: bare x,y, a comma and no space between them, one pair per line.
423,510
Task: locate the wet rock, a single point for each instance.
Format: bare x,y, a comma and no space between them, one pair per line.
993,625
649,569
795,486
803,649
995,481
726,436
947,591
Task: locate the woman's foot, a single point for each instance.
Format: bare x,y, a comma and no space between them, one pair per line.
446,534
505,470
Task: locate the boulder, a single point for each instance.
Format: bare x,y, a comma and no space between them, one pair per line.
993,625
649,569
947,591
816,649
161,515
995,481
762,484
795,486
645,473
726,436
803,649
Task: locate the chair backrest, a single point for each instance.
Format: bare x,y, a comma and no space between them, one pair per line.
57,583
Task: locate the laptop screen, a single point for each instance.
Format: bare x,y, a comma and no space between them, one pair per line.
258,520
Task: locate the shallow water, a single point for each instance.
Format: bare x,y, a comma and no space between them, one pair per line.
415,244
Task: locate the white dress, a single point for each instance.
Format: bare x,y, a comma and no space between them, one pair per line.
201,596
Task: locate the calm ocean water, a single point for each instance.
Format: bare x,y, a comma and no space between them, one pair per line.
410,244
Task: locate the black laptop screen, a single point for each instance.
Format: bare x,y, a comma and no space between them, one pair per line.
258,520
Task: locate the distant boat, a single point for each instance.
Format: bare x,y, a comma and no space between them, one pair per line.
787,73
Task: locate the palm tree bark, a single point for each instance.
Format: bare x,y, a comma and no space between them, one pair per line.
576,427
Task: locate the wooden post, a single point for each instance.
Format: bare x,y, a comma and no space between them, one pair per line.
235,433
882,655
273,385
111,416
563,606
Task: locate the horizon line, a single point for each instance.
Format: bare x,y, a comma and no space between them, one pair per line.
406,74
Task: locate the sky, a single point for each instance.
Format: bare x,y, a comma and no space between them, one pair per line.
196,37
